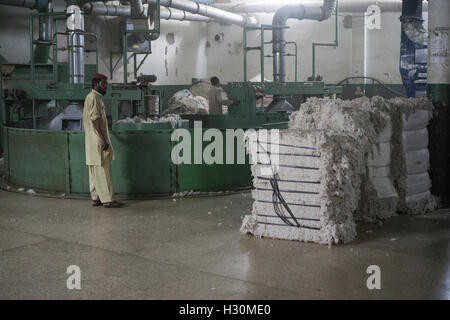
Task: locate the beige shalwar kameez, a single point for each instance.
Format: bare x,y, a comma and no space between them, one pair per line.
99,161
216,102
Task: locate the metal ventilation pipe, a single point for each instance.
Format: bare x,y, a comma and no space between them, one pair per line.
31,4
344,6
208,11
75,43
100,9
137,9
169,14
280,18
45,25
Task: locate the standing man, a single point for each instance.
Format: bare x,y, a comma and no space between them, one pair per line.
215,98
99,151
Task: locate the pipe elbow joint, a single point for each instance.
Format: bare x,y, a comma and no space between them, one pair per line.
288,12
87,8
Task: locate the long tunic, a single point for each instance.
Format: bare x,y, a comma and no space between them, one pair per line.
94,109
216,102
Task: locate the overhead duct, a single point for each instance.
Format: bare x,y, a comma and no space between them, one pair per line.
344,6
100,9
137,9
280,18
31,4
174,14
208,11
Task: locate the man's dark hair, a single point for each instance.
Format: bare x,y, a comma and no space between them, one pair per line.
215,81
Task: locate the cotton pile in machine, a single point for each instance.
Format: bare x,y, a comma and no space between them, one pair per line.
342,161
193,101
174,120
183,102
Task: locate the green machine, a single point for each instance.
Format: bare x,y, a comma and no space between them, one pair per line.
41,120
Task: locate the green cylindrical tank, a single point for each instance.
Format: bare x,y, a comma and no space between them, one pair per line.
54,161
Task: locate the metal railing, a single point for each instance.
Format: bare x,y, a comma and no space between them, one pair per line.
331,44
263,28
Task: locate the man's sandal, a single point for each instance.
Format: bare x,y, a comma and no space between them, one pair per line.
96,203
114,204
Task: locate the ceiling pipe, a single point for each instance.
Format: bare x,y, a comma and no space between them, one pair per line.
31,4
280,18
219,15
100,9
174,14
137,10
344,6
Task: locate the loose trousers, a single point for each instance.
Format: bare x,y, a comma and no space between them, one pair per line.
100,183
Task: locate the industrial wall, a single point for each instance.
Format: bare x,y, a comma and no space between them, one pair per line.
374,53
176,59
187,50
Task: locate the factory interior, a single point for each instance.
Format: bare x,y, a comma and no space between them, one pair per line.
250,150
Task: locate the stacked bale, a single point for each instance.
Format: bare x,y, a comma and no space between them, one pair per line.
361,159
311,194
410,150
368,122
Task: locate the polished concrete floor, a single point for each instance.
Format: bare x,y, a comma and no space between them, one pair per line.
191,248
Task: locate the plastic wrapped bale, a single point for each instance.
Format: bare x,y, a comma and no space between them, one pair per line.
410,154
368,122
379,198
312,193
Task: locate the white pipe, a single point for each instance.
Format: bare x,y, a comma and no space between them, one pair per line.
208,11
344,5
100,9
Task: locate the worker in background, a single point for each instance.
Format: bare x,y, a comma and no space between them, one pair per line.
99,151
215,98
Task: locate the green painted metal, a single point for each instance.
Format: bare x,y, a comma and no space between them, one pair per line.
40,55
260,48
165,92
55,161
295,55
332,44
357,90
42,52
37,159
148,127
215,177
245,92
